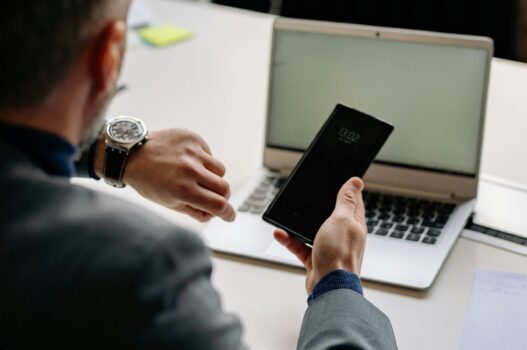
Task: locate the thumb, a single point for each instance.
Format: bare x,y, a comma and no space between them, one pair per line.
349,198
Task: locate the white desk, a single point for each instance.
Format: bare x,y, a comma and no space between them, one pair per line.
216,84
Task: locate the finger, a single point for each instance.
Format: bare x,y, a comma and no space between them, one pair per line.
204,144
197,214
360,211
214,183
213,165
301,251
348,197
192,212
212,203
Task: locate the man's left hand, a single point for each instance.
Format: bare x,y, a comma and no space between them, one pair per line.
176,169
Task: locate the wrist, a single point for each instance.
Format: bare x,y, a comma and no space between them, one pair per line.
338,279
98,159
321,271
114,155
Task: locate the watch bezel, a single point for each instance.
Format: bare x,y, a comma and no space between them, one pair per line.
139,138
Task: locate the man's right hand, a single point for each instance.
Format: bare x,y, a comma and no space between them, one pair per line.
340,241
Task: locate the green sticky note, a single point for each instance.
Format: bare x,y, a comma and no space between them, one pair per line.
163,35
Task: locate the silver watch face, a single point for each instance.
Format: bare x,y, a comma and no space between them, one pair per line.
126,130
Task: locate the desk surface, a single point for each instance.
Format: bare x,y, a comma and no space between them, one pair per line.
216,85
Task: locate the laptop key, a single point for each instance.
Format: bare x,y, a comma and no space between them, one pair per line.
386,200
413,213
244,207
280,182
433,224
429,240
370,214
413,237
371,196
399,218
371,228
428,215
413,221
433,232
417,230
253,202
267,181
387,225
261,193
381,232
258,196
442,218
446,208
263,186
399,200
257,210
373,200
439,224
401,227
431,207
385,209
399,210
370,206
397,234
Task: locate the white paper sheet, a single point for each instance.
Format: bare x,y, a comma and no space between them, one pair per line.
139,15
497,313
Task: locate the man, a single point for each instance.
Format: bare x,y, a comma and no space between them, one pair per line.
82,270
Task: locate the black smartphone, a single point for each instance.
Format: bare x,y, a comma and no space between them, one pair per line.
344,147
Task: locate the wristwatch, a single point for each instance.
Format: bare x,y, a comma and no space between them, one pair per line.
123,135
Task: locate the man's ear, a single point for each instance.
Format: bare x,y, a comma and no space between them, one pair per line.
107,58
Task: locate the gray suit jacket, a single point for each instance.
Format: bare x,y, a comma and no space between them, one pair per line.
82,270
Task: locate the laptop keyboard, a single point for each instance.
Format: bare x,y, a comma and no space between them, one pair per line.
405,218
262,196
395,217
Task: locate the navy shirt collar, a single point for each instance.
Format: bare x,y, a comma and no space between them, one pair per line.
55,155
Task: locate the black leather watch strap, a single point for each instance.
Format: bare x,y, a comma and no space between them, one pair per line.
114,162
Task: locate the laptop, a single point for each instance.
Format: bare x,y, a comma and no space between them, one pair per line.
422,187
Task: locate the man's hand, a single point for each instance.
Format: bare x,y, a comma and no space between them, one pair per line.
176,169
340,241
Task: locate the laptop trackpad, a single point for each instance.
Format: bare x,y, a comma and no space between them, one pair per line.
276,250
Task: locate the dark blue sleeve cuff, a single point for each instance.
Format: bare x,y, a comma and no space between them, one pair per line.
84,165
337,279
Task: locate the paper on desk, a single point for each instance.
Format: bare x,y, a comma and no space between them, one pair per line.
139,15
497,312
164,35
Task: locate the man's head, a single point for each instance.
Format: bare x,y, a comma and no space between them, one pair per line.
58,52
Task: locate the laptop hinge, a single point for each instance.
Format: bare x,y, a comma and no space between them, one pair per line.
442,196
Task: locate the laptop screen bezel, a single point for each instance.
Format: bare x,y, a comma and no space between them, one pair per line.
397,176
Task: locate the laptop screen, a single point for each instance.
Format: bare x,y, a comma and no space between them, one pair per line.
432,93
